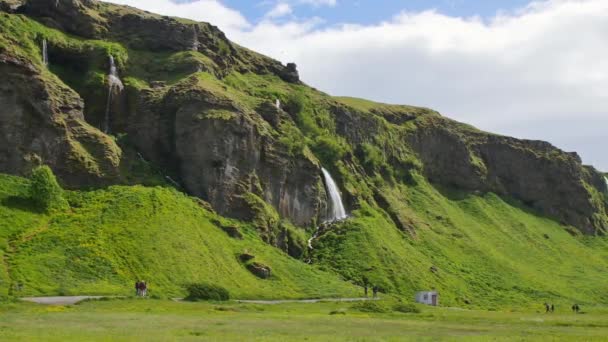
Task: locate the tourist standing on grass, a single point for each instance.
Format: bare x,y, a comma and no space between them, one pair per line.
552,308
144,288
547,307
375,291
137,288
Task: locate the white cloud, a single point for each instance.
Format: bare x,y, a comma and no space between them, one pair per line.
318,3
281,9
538,73
212,11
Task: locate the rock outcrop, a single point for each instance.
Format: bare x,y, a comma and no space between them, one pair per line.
542,176
41,121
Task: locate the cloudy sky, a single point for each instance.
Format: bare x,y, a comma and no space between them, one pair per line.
535,70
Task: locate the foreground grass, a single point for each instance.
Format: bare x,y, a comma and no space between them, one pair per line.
156,320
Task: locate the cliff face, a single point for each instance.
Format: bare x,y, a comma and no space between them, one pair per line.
41,120
204,111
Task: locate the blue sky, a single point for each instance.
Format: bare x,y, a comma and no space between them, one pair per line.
369,11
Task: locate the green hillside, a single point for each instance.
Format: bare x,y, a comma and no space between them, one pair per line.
110,238
484,251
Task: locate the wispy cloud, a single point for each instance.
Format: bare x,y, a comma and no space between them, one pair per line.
281,9
318,3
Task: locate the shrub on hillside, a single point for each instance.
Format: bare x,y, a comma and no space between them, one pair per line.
371,306
406,308
45,190
330,149
204,291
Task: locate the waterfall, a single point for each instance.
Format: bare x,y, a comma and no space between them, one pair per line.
114,85
337,211
195,43
45,53
278,104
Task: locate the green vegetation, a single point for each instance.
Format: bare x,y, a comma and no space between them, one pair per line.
155,320
476,250
45,191
112,237
204,291
406,234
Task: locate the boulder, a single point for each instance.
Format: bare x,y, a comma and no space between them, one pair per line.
259,270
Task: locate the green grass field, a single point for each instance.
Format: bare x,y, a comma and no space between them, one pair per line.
157,320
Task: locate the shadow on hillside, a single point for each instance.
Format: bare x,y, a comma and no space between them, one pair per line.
455,194
21,203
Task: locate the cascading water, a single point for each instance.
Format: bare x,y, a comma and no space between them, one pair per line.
114,85
45,53
195,42
336,211
277,104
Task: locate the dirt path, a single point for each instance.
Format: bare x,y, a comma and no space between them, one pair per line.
282,301
63,300
70,300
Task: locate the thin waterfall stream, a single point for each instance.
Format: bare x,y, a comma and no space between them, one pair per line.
114,85
45,52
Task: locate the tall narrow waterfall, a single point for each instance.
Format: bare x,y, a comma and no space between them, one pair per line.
45,52
336,211
195,42
114,85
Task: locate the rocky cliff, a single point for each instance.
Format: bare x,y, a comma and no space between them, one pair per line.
203,109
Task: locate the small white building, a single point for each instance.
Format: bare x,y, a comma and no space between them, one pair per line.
428,297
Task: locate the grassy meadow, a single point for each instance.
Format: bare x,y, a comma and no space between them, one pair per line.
158,320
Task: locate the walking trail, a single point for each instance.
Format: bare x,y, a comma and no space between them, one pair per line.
70,300
64,300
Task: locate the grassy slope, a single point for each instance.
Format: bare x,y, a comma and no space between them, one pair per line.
487,252
169,321
112,237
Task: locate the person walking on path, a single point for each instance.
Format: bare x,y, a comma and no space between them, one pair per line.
375,291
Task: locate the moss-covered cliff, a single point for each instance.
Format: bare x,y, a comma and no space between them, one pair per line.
200,113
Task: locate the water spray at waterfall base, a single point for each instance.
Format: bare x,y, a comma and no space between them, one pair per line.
114,85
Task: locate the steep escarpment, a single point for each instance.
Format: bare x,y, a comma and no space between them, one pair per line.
227,124
41,120
432,203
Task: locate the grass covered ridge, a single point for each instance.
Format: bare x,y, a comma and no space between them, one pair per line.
110,238
476,250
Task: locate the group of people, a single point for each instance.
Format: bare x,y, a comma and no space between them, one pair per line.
551,308
576,308
141,288
375,289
